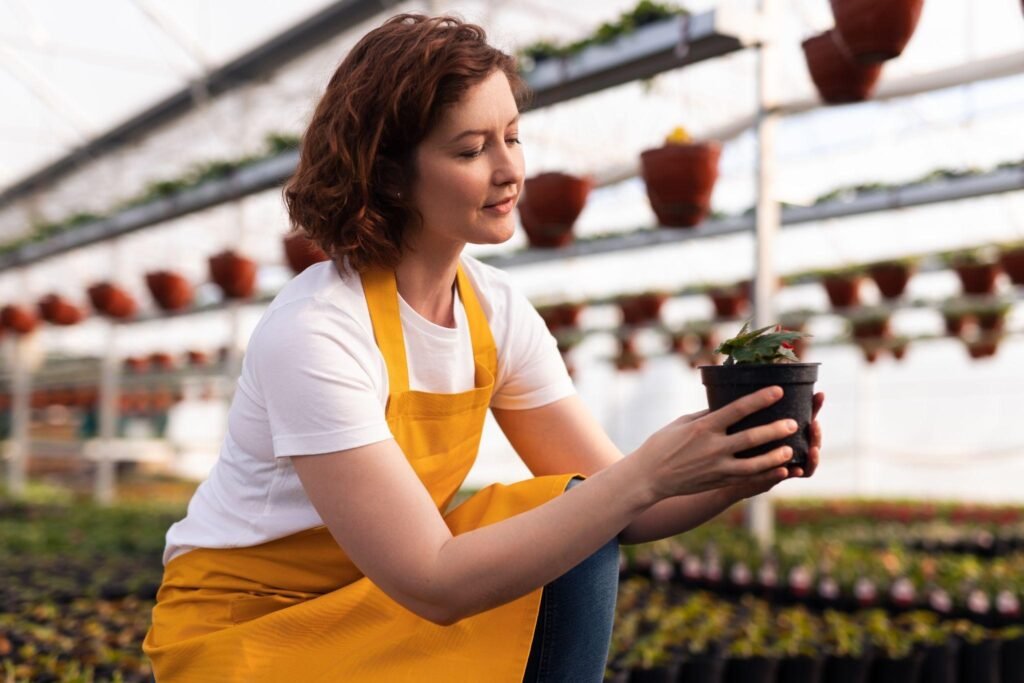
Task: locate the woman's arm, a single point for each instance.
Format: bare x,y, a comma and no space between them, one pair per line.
376,508
564,437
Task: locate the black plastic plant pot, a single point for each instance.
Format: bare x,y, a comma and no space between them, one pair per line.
726,383
939,664
661,674
703,668
1011,659
979,662
751,669
901,670
800,669
847,669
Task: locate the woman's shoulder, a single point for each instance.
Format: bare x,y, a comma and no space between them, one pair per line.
494,286
318,299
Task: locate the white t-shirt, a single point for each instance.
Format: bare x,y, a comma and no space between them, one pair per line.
314,381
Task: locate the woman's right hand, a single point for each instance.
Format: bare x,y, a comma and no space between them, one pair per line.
694,453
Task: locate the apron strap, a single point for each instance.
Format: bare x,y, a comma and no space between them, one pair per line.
381,293
484,350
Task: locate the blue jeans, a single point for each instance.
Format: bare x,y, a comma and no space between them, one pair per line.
574,625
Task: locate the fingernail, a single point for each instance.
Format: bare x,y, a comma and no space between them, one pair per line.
777,392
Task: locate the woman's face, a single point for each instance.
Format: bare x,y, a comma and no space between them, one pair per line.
471,161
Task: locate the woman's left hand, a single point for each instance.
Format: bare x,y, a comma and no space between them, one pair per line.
748,490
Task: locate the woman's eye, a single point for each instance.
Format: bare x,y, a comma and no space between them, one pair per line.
477,152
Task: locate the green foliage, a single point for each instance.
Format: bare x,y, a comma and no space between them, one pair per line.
761,346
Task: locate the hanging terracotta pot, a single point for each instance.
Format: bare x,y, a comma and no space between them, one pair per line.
170,290
871,350
627,358
161,361
550,205
1012,261
680,179
112,301
898,348
955,322
198,358
730,302
301,252
560,316
978,278
19,319
57,310
137,364
638,309
837,77
870,327
892,277
983,348
234,274
876,30
843,290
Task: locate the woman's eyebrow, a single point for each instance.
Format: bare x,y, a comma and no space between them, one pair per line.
479,132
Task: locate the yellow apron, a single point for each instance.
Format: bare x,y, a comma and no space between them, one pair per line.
297,609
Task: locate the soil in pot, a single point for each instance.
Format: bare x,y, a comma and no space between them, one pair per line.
876,30
550,205
680,179
726,383
838,78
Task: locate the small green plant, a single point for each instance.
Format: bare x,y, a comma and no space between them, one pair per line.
761,346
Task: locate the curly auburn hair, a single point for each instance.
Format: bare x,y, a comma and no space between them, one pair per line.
349,192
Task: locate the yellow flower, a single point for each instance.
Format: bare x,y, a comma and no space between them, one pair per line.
678,136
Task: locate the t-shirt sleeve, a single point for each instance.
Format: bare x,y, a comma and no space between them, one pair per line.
315,372
531,372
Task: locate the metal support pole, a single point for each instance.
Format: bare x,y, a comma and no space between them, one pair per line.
104,486
17,450
760,519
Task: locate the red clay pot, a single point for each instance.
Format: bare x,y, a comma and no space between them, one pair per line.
876,30
112,301
680,180
1012,262
628,359
560,316
729,302
136,363
57,310
892,278
993,321
161,361
955,323
234,274
198,358
982,348
837,77
301,252
550,205
843,291
978,278
171,291
19,319
870,329
641,308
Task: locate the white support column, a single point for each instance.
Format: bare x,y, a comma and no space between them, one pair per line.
760,519
21,390
104,485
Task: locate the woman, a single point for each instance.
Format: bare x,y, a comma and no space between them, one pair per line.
321,546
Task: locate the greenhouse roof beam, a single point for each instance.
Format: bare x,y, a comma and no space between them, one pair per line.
249,67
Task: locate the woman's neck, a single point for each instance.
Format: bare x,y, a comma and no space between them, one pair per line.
426,282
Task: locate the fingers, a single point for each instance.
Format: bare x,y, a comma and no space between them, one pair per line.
748,405
759,464
755,436
819,401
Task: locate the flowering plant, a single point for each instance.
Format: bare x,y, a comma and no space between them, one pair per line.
761,346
